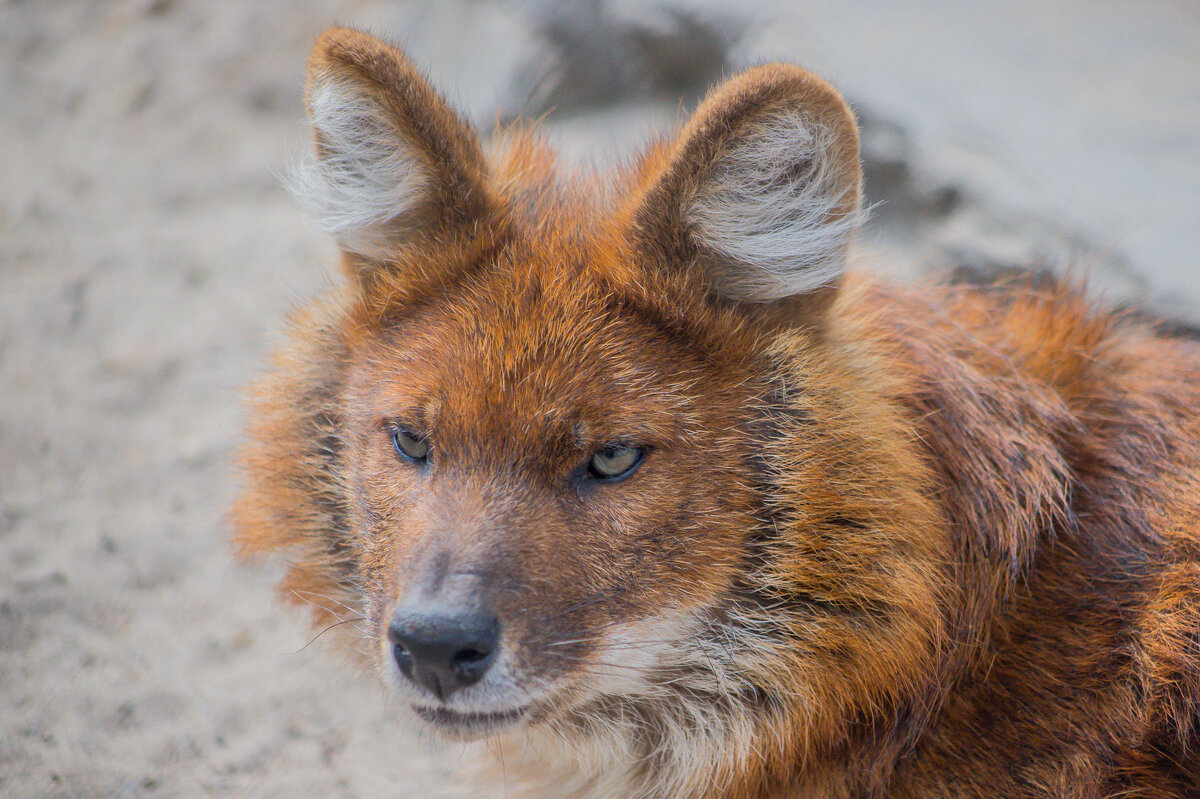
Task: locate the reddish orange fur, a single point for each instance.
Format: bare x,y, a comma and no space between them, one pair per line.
944,540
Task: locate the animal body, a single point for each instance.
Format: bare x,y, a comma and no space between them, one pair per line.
627,476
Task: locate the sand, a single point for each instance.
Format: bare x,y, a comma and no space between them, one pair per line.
148,253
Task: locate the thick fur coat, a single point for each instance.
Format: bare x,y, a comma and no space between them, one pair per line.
876,541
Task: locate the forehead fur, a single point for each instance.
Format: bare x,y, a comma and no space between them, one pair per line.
519,350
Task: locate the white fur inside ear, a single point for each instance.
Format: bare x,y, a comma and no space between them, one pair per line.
768,210
366,177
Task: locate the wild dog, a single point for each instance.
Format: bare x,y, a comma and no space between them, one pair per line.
628,476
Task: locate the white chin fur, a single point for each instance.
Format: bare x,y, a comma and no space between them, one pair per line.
597,755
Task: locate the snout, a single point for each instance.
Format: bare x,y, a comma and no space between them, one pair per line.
444,648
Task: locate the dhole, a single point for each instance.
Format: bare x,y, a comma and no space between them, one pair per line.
626,476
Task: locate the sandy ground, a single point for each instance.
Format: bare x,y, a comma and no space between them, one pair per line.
147,253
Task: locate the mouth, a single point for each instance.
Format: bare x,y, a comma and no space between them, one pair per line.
469,724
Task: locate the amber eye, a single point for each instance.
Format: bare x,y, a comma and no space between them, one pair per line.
615,462
409,446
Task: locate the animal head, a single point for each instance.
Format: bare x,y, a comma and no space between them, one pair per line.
540,445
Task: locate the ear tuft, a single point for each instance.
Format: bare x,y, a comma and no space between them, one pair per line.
774,212
762,189
364,179
391,159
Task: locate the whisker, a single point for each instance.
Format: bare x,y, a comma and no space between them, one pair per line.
300,595
322,632
590,600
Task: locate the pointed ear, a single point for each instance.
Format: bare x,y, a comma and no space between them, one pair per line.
762,188
393,160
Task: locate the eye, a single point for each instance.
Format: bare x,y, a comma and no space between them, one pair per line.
409,446
615,462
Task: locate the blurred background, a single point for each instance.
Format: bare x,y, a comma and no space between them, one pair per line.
148,253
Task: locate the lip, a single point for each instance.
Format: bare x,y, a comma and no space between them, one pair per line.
469,724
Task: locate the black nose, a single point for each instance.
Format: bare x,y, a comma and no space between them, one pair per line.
444,650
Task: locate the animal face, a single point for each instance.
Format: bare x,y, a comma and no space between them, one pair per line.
562,500
528,442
